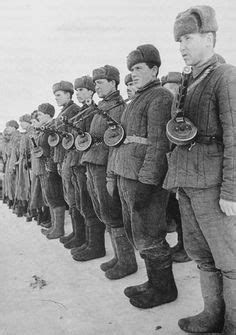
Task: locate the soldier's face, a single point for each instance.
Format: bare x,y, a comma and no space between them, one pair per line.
193,48
24,125
142,74
131,89
34,122
10,129
83,94
6,132
62,98
42,118
104,87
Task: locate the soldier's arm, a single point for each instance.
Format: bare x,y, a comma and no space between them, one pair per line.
154,166
116,114
227,113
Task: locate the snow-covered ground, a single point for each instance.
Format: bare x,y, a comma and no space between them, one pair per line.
77,298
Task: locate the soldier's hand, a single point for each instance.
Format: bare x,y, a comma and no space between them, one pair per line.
59,169
27,165
228,207
111,186
143,195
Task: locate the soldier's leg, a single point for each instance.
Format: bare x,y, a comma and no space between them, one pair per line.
123,250
220,233
32,203
84,205
78,220
95,228
200,229
53,191
37,201
22,192
110,212
178,252
12,181
148,229
69,196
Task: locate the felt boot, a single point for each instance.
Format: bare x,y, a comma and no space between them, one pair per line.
46,216
126,262
78,225
229,289
211,319
67,238
109,264
59,220
96,244
162,290
131,291
46,229
39,215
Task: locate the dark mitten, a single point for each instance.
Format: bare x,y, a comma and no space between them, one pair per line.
143,195
28,165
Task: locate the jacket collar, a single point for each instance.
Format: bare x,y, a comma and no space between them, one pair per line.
198,70
15,134
112,96
85,106
67,105
153,83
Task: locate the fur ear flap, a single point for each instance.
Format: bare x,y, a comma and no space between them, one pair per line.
199,19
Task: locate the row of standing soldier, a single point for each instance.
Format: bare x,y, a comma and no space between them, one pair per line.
112,176
86,179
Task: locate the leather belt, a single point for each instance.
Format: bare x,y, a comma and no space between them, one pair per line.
136,139
204,139
208,139
97,139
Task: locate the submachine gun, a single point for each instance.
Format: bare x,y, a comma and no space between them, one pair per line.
56,135
113,136
180,130
37,150
68,141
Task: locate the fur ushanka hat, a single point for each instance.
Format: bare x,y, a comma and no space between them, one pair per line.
84,82
108,72
63,86
47,108
198,19
146,53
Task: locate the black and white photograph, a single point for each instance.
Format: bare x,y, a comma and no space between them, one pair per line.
117,167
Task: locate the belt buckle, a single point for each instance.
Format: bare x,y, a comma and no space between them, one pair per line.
191,145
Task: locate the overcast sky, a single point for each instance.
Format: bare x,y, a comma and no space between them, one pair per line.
43,42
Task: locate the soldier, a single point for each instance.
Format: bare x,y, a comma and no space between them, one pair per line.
107,207
203,171
84,88
140,166
131,89
46,170
23,185
36,198
11,168
5,156
63,92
